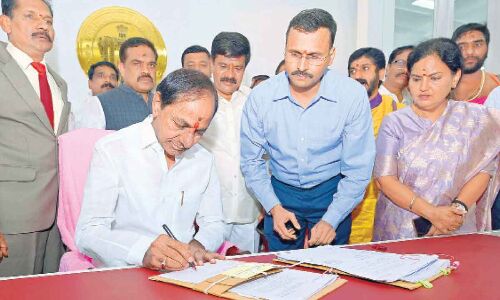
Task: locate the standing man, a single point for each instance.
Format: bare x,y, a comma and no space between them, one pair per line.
34,112
103,77
367,66
130,102
230,56
475,84
396,77
197,58
316,127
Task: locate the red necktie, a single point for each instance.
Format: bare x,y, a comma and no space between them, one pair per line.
45,94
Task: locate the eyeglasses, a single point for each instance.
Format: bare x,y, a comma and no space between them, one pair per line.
312,59
400,63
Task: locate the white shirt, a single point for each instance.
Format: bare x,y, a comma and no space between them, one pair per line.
493,98
130,193
24,61
406,95
222,138
87,114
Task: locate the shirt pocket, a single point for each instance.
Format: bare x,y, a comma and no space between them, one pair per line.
186,208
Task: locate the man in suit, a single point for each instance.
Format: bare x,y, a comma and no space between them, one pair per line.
34,111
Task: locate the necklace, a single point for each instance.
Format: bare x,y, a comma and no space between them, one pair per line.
483,79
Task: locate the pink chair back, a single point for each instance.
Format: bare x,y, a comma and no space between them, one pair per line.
75,153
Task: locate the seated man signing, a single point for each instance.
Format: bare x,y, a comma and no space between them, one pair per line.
154,173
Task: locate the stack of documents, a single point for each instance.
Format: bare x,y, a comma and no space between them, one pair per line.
241,280
377,266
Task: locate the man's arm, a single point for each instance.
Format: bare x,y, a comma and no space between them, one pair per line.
356,165
94,236
252,164
209,216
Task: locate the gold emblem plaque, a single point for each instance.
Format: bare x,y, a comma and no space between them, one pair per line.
102,33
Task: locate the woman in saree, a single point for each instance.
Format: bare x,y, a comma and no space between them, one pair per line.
437,160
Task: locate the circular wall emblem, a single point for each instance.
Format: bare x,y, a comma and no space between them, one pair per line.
102,33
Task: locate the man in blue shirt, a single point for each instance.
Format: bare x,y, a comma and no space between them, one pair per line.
315,126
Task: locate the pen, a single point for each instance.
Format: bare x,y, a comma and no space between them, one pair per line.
172,236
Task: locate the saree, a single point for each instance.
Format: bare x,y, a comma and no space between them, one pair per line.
435,160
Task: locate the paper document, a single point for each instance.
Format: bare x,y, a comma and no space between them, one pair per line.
286,285
202,273
378,266
429,271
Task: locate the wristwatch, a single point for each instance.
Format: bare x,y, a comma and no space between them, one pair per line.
459,205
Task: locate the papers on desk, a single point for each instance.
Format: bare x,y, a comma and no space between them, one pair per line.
377,266
202,273
243,280
288,284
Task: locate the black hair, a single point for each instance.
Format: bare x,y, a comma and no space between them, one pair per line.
310,20
258,79
92,68
135,42
398,51
376,55
279,67
231,44
185,82
9,5
471,27
194,49
444,48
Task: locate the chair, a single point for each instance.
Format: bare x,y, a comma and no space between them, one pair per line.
75,153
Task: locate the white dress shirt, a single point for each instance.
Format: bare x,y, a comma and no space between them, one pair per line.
406,95
24,61
130,193
87,113
223,139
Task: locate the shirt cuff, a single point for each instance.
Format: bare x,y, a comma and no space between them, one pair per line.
138,250
333,218
269,204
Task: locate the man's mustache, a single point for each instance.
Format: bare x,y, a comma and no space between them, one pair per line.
42,33
362,81
145,76
107,84
302,73
228,79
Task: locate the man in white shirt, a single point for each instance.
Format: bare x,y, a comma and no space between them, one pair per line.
153,173
103,77
396,77
230,56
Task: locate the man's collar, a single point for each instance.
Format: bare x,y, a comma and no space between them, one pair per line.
283,89
375,101
22,59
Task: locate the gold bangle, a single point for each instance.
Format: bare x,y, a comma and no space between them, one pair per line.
412,201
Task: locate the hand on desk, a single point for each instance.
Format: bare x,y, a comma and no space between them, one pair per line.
201,255
165,253
4,249
280,217
321,234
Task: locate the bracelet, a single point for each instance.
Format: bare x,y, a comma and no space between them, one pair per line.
457,201
412,201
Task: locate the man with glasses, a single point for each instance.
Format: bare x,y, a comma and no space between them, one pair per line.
367,66
475,84
315,125
395,83
130,102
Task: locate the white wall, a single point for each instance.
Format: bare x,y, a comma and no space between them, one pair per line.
188,22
